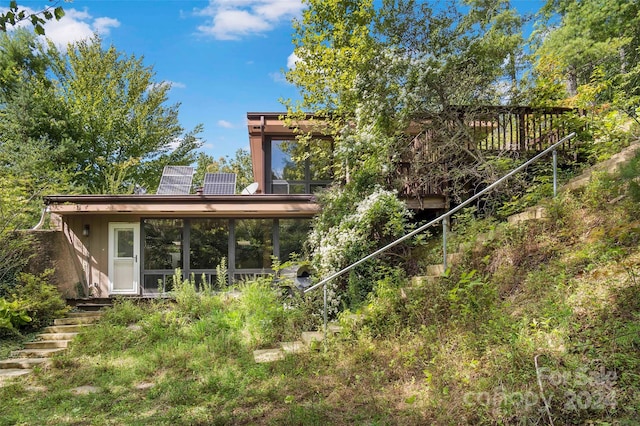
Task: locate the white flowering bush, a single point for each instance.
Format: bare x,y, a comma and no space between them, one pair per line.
349,228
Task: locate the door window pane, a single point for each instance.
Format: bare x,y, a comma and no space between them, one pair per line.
254,245
162,243
124,243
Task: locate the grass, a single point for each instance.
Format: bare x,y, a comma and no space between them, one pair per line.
544,309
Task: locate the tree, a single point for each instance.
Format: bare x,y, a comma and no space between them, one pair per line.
37,19
88,120
369,71
593,48
240,165
117,119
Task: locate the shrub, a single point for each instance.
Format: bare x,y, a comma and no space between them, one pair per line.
42,301
343,235
12,316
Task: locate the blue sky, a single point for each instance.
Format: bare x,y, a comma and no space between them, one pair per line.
223,58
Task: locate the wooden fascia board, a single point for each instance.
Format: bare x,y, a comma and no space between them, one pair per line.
194,209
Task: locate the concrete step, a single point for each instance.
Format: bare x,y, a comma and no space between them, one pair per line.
92,306
312,336
73,328
435,270
22,363
293,347
536,213
268,355
8,373
37,353
84,314
47,344
57,336
76,320
422,280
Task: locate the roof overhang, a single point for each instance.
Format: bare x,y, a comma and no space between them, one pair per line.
230,206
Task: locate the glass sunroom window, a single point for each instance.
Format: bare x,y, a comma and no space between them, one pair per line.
292,235
163,243
209,243
253,243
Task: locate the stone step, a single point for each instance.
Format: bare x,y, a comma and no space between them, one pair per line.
47,344
438,270
73,328
57,336
293,347
84,314
422,280
312,336
435,270
8,373
334,328
21,363
92,306
37,353
76,320
268,355
537,213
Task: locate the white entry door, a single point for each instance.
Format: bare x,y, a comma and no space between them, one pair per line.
124,255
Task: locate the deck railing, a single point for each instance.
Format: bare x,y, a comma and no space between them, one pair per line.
498,130
444,219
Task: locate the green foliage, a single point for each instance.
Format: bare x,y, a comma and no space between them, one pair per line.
13,316
240,165
593,49
472,297
347,230
630,175
14,15
41,300
86,119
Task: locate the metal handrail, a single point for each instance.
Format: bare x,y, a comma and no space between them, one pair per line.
323,283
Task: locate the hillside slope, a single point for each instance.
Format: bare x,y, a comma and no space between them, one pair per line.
538,324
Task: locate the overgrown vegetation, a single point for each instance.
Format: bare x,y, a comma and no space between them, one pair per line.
31,304
538,323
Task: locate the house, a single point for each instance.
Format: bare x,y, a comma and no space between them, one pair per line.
130,245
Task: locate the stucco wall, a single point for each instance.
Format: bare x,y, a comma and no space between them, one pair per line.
50,250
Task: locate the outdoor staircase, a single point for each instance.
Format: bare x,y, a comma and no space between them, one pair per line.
52,340
436,271
307,340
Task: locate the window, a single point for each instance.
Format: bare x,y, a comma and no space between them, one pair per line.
209,243
296,169
162,243
253,243
198,245
293,233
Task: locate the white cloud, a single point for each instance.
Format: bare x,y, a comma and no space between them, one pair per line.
291,61
234,19
74,26
278,77
170,84
78,25
225,124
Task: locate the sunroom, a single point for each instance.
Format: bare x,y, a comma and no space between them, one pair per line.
132,244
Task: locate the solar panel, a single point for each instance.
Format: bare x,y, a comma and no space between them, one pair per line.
219,184
175,180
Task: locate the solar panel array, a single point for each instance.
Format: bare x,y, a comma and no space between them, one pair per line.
219,184
175,180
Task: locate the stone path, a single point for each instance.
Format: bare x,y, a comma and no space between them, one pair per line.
52,340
